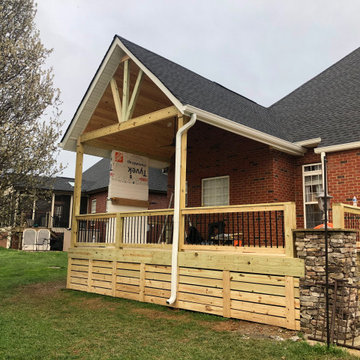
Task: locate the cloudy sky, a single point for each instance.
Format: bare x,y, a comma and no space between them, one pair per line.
262,49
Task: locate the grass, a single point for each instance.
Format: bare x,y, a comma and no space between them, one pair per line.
41,320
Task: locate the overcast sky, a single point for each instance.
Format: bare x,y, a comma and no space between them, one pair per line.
262,49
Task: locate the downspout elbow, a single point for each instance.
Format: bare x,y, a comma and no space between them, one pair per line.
176,217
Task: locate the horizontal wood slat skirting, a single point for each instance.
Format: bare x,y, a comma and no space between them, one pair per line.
226,290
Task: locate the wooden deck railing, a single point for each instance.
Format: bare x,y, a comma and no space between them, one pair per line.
262,227
346,216
257,227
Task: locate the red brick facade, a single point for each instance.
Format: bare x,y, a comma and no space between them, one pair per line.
259,174
101,199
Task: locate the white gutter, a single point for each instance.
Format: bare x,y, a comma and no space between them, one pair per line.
340,147
239,129
176,218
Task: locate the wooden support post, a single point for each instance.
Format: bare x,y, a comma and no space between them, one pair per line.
289,224
142,282
68,275
90,275
290,303
77,191
181,123
113,282
338,216
226,294
119,230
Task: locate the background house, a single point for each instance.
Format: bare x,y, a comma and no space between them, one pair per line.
56,214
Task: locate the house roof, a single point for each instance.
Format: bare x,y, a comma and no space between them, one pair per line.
326,106
193,89
97,177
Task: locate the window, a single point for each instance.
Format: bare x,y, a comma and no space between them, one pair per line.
312,182
93,206
215,191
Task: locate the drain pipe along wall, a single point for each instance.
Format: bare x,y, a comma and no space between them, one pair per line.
176,218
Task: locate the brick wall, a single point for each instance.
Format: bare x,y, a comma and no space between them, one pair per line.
257,173
260,174
101,199
343,175
158,201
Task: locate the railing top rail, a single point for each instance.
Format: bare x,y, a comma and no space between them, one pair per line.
96,216
349,208
236,208
148,212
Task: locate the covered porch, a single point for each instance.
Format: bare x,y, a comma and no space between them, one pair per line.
235,258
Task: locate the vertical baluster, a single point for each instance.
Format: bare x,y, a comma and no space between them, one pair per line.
259,228
283,229
265,228
270,217
253,219
276,228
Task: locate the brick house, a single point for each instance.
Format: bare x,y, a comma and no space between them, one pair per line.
243,176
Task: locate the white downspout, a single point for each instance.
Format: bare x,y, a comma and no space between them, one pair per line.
176,218
323,154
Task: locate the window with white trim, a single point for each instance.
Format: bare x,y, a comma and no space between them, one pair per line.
312,186
93,206
215,191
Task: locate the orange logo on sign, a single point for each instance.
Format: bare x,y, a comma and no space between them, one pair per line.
119,157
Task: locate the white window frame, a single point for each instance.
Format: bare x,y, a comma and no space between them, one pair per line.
93,206
310,173
215,178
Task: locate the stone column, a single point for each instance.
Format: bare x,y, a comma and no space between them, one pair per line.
342,255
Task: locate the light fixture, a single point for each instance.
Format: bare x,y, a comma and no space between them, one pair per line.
321,202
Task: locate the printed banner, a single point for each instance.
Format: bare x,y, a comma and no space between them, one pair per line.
129,176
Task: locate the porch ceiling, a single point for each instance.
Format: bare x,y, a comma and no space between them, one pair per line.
148,140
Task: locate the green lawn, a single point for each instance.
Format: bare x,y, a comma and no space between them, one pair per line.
41,320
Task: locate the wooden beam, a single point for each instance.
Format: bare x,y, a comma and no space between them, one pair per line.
134,96
131,124
117,101
129,202
107,146
77,190
126,87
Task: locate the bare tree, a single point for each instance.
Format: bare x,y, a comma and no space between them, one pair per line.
29,108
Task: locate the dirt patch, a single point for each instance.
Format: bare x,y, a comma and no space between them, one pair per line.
156,314
35,292
97,304
249,329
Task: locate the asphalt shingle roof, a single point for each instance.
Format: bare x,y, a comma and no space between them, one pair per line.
192,89
327,106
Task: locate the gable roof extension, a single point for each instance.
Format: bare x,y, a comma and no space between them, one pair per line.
326,106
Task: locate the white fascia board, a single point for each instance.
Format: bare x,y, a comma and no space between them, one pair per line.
339,147
309,143
239,129
97,88
92,96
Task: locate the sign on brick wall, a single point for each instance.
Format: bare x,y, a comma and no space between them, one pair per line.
129,176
